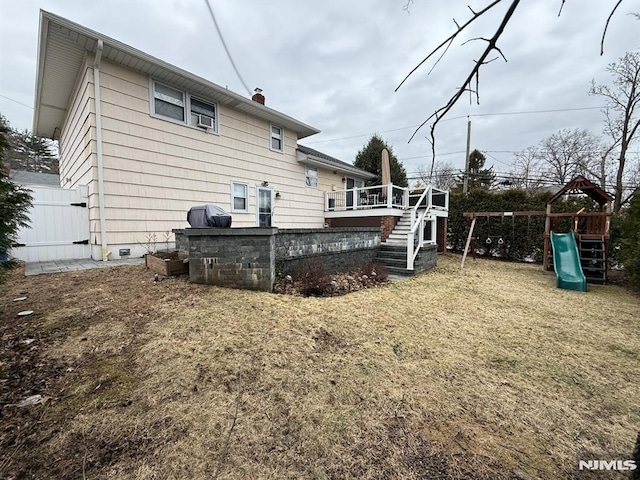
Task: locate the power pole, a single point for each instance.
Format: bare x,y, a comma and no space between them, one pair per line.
465,185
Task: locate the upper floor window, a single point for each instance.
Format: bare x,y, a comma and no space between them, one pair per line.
312,177
180,106
203,114
277,138
168,102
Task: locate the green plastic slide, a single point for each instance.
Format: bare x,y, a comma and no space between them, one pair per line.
566,262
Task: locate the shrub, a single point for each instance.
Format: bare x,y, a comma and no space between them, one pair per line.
310,279
14,204
629,231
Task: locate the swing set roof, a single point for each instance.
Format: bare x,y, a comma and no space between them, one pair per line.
582,185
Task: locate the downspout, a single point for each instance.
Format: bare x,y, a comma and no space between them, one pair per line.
96,86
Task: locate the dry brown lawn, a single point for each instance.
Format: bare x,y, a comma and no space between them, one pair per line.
489,374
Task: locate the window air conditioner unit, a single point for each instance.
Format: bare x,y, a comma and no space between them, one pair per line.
205,121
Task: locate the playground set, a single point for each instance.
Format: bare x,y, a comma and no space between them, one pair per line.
578,255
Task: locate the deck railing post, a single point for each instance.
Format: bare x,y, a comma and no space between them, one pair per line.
410,251
434,230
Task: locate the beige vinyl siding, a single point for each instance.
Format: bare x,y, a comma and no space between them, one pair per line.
78,163
155,170
77,139
328,181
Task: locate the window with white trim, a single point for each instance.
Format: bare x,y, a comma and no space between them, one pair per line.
168,102
277,138
311,177
239,197
181,107
203,114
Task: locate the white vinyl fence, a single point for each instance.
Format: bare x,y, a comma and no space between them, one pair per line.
59,220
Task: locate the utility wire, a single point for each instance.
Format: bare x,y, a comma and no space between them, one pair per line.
16,101
226,49
497,114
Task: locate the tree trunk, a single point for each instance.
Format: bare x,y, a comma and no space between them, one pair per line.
617,202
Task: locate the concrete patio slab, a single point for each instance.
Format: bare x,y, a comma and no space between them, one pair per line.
59,266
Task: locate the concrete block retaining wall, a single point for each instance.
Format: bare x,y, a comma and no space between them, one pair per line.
247,257
336,249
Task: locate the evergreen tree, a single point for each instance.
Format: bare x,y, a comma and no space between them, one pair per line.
370,159
479,177
630,238
14,200
28,152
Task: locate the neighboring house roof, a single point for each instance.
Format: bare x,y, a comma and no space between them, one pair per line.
33,178
314,157
61,51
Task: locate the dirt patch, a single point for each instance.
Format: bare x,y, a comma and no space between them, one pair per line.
327,341
78,352
492,373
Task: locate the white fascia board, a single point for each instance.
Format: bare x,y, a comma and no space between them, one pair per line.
150,61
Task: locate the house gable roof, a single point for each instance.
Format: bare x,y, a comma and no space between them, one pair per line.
61,51
314,157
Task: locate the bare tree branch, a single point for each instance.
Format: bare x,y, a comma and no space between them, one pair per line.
500,52
561,7
440,57
476,38
406,7
604,33
450,38
439,113
622,113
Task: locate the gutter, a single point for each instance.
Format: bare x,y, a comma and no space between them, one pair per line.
327,165
44,31
96,86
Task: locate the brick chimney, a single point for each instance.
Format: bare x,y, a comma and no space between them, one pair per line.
258,97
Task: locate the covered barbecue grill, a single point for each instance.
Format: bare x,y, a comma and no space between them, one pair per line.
207,216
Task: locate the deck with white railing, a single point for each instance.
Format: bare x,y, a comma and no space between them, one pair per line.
421,210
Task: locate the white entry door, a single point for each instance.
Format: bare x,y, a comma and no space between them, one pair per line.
59,221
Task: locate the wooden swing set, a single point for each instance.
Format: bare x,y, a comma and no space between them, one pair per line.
591,229
471,222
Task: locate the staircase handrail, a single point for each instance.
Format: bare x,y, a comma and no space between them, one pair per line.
412,252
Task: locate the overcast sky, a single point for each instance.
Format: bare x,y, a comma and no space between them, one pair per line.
335,64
